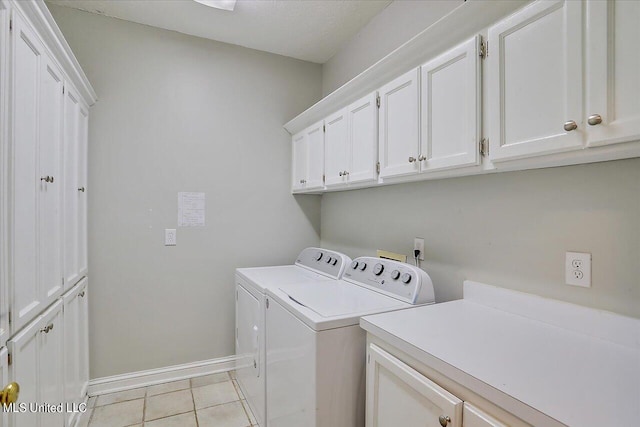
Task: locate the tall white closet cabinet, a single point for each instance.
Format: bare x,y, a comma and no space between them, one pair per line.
44,117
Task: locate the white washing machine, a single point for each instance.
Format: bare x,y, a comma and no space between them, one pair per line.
316,348
313,265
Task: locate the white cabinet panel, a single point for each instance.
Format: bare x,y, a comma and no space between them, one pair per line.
474,417
75,346
399,131
535,81
613,71
336,146
315,156
50,148
5,181
26,67
36,353
363,139
450,113
299,166
4,380
81,190
398,395
83,337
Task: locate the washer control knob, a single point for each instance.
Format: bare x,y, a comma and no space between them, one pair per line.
318,256
335,261
354,265
363,266
329,260
406,278
378,269
395,274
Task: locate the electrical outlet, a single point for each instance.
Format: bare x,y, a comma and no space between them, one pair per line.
170,237
578,269
418,244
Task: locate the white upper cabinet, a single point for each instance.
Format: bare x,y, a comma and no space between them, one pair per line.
299,167
535,81
475,417
450,114
363,139
315,156
81,189
613,71
399,129
336,148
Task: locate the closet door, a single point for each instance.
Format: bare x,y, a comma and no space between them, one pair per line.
71,185
27,62
315,156
50,365
535,81
336,148
83,337
450,88
363,139
613,71
71,319
399,125
50,138
5,204
81,188
299,163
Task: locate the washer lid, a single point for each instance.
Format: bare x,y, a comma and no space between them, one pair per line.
267,277
332,304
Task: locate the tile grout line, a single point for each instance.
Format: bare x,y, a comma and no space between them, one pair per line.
193,399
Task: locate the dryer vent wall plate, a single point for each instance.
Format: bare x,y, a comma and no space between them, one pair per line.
391,255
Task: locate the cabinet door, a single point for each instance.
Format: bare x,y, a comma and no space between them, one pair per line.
71,318
71,185
474,417
5,181
299,165
26,295
4,379
450,121
399,125
535,81
83,338
397,395
50,140
336,148
50,365
363,139
315,156
81,189
613,72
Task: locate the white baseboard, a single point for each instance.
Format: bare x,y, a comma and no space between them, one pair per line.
160,375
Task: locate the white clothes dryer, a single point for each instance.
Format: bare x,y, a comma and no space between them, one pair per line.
312,265
316,348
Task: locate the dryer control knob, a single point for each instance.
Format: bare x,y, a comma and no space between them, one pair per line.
363,266
378,269
329,260
406,278
318,256
335,261
354,264
395,274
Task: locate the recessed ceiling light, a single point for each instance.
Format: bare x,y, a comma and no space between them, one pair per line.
219,4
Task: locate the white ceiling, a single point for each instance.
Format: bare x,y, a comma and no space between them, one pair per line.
311,30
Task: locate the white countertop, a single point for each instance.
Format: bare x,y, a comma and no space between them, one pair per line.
579,378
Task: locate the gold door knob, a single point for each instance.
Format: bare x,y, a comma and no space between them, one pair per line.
570,125
10,394
594,119
444,420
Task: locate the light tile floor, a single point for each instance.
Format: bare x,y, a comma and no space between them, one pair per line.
207,401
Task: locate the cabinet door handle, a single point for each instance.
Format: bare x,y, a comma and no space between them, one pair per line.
594,119
340,174
412,159
570,125
81,294
444,420
345,173
81,189
46,178
422,158
50,179
47,328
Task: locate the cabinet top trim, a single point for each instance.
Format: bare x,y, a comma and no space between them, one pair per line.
465,21
37,13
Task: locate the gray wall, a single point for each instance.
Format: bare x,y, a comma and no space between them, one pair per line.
391,28
178,113
508,229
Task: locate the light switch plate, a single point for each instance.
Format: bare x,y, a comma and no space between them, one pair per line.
578,269
170,237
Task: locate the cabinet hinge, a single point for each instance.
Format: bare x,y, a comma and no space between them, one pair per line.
378,101
9,359
324,128
10,317
324,179
378,168
484,49
484,147
10,24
